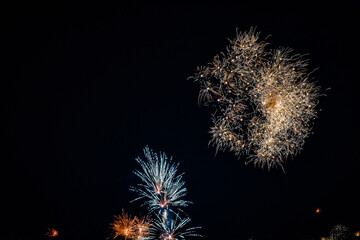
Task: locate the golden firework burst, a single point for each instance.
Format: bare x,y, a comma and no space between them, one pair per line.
264,100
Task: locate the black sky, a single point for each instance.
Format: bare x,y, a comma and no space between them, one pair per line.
90,85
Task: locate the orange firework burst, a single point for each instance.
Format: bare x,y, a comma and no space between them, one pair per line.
142,228
130,227
124,225
52,232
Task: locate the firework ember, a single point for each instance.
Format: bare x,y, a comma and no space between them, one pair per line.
52,233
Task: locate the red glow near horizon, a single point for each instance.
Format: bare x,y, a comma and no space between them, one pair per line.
52,232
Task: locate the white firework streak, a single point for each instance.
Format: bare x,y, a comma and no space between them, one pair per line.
175,230
162,186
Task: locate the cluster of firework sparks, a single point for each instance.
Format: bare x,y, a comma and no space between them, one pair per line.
264,100
339,232
162,190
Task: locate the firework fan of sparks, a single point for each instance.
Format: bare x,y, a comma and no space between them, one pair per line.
175,229
131,227
163,190
264,100
162,187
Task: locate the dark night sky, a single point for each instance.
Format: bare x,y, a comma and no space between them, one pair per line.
91,85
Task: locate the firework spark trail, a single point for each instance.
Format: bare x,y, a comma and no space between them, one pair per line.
264,100
162,186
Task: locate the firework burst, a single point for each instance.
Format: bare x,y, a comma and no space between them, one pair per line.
124,225
264,100
162,187
130,227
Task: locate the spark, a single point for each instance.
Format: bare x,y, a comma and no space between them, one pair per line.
162,187
264,99
52,232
